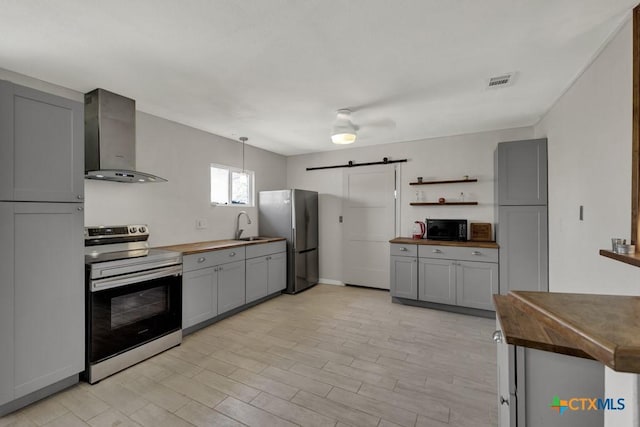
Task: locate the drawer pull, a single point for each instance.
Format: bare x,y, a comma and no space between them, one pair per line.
437,251
201,260
232,254
403,249
476,253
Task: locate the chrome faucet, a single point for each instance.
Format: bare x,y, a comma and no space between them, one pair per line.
238,229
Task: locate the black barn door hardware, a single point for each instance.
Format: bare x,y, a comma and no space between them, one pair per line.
351,164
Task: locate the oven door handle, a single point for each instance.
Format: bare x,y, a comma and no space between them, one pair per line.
114,282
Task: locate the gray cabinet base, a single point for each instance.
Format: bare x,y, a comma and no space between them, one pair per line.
452,308
194,328
23,401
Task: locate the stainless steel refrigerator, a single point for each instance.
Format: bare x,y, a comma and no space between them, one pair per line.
293,214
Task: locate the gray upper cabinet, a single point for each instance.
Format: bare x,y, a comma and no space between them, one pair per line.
522,172
45,331
523,237
41,146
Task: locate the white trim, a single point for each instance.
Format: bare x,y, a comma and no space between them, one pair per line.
322,281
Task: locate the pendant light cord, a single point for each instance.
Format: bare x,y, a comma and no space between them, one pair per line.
243,139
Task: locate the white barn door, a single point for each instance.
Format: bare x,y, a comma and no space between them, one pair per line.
369,211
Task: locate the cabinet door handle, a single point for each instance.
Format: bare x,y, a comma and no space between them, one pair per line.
476,253
201,260
80,197
504,401
80,208
219,268
436,251
232,254
403,249
497,337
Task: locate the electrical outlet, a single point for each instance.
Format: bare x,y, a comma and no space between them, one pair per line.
201,224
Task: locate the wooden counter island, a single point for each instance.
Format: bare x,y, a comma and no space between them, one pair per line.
605,328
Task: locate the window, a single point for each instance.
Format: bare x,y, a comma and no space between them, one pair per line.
231,186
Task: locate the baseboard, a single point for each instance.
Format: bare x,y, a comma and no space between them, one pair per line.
330,282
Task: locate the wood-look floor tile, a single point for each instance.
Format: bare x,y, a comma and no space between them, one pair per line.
218,366
16,419
268,358
291,412
347,350
67,420
335,410
44,411
420,404
250,415
84,405
194,390
227,386
239,361
297,356
375,407
157,393
327,377
175,365
324,354
297,381
386,423
390,371
203,416
112,418
119,397
260,382
154,416
361,375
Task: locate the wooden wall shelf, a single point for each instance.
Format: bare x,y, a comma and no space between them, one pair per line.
443,204
447,181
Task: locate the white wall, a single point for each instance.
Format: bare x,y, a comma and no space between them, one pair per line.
182,155
438,158
589,131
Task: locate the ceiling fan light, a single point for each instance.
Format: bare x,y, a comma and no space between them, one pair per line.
343,138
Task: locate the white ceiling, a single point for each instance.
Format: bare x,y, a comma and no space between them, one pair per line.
276,71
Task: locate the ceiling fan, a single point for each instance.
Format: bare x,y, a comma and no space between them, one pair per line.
345,131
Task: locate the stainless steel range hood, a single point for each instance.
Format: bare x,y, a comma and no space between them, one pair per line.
110,139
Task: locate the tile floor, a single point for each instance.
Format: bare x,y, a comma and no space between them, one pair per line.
330,356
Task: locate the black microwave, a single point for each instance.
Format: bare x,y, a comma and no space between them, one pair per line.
447,229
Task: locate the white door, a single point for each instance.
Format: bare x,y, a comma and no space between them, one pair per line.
369,211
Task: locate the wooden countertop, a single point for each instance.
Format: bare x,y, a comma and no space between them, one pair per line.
214,245
605,328
467,244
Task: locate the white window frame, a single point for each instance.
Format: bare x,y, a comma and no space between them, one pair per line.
230,170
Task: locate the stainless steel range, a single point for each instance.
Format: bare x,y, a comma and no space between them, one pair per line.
133,299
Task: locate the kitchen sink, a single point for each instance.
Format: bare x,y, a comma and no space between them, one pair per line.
252,238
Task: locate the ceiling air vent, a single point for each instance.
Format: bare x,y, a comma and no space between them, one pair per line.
500,81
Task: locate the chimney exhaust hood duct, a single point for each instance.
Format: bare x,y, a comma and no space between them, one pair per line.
110,139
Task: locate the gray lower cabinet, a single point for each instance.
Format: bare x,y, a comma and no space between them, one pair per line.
266,274
41,296
437,280
403,282
528,380
450,275
277,273
231,286
41,146
199,296
476,282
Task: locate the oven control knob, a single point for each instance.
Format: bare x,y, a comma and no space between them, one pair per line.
142,229
132,230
